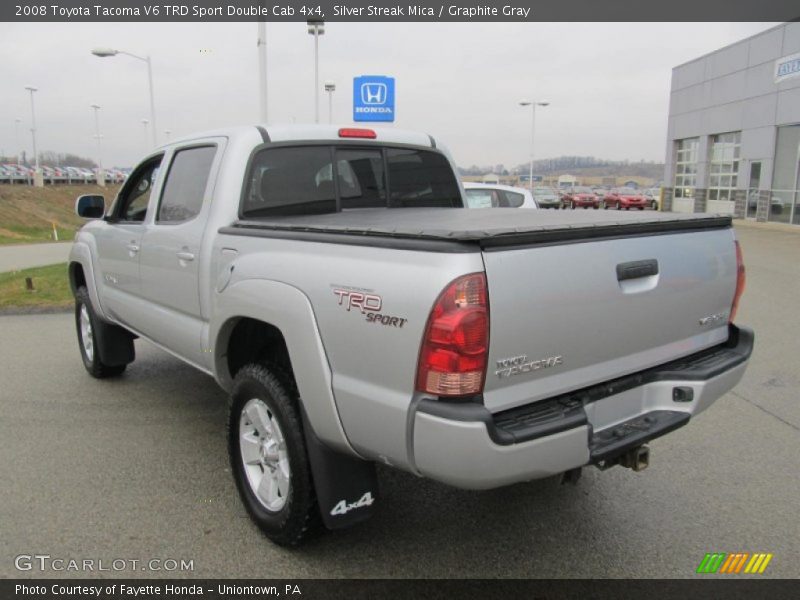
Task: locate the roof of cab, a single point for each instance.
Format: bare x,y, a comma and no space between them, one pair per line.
312,132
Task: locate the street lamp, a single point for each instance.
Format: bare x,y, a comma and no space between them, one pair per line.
316,27
533,104
16,138
101,180
330,87
37,173
105,52
145,122
262,69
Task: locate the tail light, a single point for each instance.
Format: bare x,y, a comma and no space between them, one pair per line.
357,132
452,359
740,282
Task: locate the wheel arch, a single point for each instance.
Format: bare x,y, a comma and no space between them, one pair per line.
245,327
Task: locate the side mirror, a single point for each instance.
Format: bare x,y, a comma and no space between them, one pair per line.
90,206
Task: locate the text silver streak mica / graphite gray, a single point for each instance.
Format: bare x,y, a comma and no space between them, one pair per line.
331,281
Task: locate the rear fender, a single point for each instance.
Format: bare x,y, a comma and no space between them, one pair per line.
289,310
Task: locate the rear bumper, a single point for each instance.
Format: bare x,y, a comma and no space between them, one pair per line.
465,445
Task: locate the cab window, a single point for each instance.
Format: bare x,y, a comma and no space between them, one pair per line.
135,195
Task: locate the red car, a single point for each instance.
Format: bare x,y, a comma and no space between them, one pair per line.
581,197
626,198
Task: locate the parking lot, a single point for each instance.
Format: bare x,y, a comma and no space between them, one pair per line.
137,469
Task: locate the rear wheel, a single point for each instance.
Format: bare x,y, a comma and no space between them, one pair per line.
87,324
268,456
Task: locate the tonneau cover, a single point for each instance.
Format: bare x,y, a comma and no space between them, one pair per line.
489,226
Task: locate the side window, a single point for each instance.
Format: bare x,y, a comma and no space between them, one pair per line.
361,180
290,181
135,195
182,197
478,198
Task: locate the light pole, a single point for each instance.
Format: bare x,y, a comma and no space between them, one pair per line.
101,180
533,104
104,52
38,181
146,145
316,27
16,138
330,87
262,70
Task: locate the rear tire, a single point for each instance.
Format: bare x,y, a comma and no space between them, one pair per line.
268,456
87,324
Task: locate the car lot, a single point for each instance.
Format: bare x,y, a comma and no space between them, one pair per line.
136,469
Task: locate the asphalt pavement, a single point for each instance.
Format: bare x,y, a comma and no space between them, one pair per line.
136,469
25,256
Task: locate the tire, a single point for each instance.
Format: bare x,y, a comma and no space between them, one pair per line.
87,325
268,456
572,205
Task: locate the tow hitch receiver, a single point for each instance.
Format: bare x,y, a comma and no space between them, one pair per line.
637,459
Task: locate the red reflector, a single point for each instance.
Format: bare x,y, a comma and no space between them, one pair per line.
452,359
740,282
355,132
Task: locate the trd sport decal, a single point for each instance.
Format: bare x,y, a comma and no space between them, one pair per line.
368,305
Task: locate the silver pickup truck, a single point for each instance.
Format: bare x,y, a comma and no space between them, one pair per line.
331,282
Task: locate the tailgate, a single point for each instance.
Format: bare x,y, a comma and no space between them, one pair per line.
569,315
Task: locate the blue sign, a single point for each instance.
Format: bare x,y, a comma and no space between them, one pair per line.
373,98
537,178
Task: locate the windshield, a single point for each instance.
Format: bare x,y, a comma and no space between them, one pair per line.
544,191
582,190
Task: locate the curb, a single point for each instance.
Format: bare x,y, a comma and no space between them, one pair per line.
34,310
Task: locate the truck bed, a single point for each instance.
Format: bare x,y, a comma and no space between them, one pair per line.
486,227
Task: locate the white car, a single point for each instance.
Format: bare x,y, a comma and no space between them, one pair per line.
493,195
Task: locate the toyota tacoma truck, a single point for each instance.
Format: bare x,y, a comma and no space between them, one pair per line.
331,282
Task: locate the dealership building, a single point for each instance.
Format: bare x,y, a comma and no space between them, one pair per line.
733,141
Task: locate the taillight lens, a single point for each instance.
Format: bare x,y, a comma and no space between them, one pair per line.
357,132
740,282
452,360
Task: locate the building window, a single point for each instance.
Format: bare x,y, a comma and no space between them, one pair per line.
686,167
723,167
784,202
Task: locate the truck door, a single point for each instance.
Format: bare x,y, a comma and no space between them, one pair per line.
172,252
119,245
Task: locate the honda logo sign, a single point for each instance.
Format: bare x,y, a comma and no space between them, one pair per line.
373,98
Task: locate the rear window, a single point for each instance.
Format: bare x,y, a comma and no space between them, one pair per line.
302,180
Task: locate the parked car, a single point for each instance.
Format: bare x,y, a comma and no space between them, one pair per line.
490,195
625,197
580,197
546,197
653,196
331,282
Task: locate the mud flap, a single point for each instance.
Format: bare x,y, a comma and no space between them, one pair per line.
347,487
115,344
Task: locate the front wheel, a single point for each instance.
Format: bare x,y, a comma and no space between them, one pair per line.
268,456
88,325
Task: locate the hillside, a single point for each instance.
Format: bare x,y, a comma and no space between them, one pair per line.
27,213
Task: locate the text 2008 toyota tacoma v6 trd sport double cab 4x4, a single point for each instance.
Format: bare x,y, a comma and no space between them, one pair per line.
330,280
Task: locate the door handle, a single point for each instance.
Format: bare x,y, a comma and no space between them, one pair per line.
183,255
132,248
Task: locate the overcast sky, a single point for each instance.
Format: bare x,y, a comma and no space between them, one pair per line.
608,83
